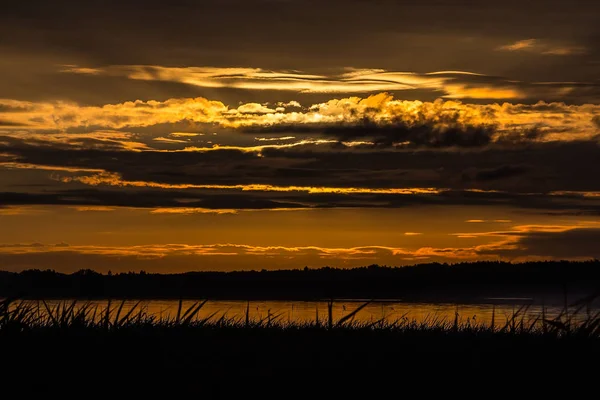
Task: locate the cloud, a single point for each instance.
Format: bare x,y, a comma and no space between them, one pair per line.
62,116
168,140
578,243
18,165
544,47
565,51
570,241
503,172
8,123
292,103
253,108
21,208
274,139
18,246
95,209
375,151
260,148
549,175
194,210
166,200
122,124
260,79
522,243
156,257
448,84
185,134
395,133
112,179
479,221
436,124
329,255
32,59
156,202
100,139
227,249
519,45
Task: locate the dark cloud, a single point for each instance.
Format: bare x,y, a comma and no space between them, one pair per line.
21,245
532,168
6,108
521,136
150,199
216,200
575,243
397,133
4,122
505,171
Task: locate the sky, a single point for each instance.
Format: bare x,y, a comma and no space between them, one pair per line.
269,134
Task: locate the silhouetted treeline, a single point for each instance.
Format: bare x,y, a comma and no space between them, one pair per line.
424,282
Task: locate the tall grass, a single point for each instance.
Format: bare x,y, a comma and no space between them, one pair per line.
20,316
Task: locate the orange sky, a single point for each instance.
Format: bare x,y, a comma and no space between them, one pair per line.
131,141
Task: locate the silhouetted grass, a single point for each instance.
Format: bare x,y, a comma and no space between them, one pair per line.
80,342
22,316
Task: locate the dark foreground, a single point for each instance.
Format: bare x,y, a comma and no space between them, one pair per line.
198,360
66,352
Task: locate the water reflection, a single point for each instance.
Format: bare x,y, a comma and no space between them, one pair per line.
307,311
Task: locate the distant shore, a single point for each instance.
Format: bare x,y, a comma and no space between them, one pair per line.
550,283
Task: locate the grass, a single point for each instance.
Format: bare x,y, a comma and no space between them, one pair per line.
73,346
26,316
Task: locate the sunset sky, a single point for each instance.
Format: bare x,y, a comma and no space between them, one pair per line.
184,135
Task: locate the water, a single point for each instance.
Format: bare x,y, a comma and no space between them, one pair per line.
305,311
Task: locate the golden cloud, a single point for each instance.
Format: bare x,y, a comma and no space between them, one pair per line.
544,47
519,45
114,179
499,248
154,251
451,84
553,121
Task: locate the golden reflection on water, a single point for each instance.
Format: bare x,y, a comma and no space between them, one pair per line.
307,311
